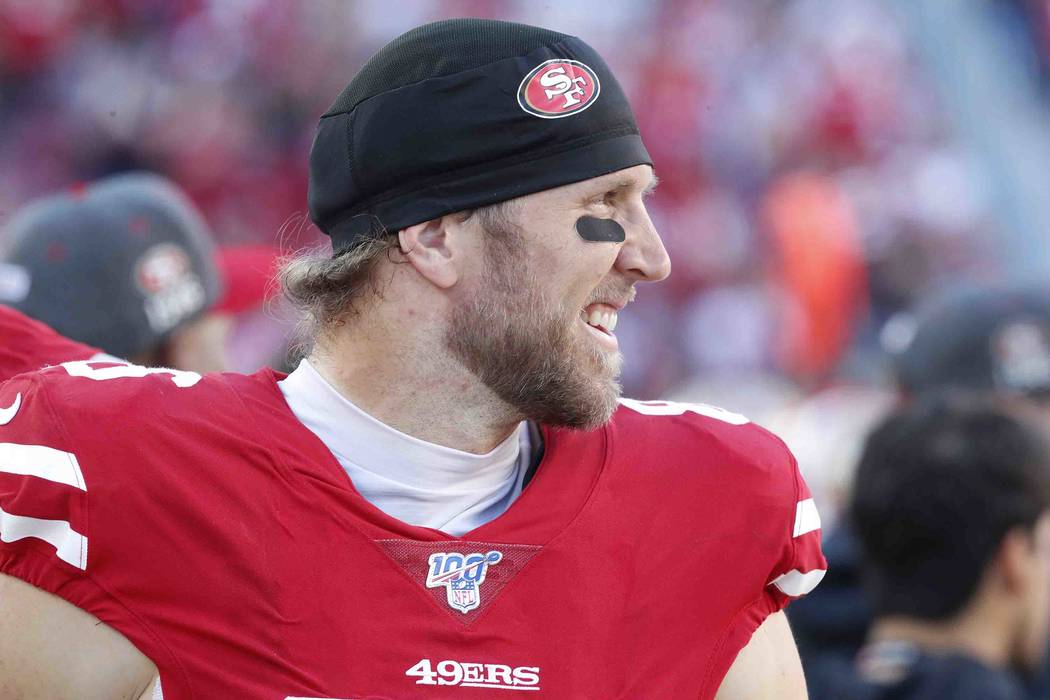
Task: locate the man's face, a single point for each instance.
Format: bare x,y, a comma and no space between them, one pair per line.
536,324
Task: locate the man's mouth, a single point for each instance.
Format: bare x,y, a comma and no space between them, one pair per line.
600,321
600,316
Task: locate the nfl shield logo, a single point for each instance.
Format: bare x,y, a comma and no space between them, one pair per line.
461,575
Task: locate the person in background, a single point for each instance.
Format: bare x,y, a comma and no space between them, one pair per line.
127,264
993,340
951,509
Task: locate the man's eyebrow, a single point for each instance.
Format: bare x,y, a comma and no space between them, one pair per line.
627,184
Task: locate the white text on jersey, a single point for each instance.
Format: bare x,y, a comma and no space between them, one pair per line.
475,675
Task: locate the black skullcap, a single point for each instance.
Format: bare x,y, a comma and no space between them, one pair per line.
118,264
465,113
979,338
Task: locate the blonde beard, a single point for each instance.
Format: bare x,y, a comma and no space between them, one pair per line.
531,352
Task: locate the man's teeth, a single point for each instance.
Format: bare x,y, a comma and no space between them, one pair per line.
601,318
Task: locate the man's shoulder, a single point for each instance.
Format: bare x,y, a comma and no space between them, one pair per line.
101,388
124,488
706,475
132,445
704,442
115,401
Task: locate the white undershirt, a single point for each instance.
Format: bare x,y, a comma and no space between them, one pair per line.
417,482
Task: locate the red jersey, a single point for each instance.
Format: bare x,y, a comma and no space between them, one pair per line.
27,345
203,521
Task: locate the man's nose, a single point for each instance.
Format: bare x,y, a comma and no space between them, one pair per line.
643,257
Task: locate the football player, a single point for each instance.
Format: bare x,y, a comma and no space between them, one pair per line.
447,498
127,264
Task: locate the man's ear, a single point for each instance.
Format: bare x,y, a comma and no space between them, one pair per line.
431,248
1014,557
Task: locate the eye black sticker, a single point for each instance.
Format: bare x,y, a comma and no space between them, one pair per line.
598,230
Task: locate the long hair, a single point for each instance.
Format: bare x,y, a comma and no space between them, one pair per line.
327,290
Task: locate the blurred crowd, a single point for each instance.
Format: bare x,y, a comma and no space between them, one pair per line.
810,184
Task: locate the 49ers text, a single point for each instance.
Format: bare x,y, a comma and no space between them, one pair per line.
475,675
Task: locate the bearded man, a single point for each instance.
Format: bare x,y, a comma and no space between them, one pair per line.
446,498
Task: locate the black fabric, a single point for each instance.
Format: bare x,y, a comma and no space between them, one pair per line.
935,677
458,140
1039,683
437,49
920,676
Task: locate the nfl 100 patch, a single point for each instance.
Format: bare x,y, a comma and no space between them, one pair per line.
461,575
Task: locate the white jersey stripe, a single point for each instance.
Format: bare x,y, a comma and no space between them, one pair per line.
70,545
795,583
105,357
44,462
807,519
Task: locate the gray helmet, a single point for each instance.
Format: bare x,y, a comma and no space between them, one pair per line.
118,264
979,338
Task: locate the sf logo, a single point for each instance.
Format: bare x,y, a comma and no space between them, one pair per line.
556,82
558,88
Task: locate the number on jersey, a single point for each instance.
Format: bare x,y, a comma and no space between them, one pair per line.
85,368
671,408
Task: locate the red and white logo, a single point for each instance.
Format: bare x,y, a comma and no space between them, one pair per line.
161,267
558,88
173,291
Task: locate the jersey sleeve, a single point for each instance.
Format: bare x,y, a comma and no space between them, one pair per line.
787,551
44,533
46,481
738,512
801,565
27,345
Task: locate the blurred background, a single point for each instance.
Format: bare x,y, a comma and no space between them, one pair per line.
824,165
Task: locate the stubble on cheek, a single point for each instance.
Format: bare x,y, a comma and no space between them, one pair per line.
536,356
529,348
